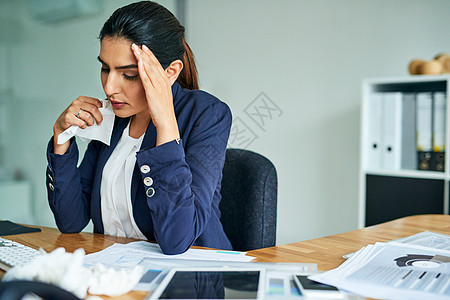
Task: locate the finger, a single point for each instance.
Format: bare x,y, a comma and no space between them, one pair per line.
140,55
86,117
153,68
136,51
71,119
153,62
82,99
90,112
145,79
156,77
143,73
80,123
70,116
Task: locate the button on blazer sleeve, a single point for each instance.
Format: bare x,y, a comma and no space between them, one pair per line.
185,176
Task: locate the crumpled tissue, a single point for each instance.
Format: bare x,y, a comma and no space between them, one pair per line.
97,132
67,271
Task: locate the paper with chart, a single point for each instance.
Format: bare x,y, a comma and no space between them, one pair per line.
394,271
150,257
426,238
131,254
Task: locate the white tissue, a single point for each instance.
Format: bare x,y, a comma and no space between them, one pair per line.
113,282
100,132
67,271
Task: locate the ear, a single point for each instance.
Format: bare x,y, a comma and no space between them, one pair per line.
174,70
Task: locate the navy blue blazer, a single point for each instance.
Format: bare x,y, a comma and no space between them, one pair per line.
181,207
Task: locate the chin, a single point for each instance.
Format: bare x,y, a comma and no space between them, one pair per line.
121,114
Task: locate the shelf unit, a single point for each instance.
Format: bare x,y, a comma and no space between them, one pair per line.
387,194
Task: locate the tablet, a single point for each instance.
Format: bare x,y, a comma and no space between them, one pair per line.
309,287
208,283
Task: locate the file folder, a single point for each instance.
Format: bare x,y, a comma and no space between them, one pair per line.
375,114
391,132
439,125
424,134
408,143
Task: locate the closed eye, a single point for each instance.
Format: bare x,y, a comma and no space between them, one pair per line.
105,69
128,77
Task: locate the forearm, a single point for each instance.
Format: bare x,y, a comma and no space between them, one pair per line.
70,212
180,208
167,131
64,190
57,148
183,190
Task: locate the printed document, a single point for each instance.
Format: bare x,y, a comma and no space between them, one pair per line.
394,271
131,254
426,238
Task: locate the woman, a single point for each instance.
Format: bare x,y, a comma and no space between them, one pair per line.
160,177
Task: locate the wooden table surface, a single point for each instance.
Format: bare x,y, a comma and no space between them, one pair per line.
326,252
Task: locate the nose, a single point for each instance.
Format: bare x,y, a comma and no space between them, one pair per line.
111,84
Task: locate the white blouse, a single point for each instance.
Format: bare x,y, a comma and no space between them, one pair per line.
115,189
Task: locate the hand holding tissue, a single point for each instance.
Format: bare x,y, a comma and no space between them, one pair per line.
97,132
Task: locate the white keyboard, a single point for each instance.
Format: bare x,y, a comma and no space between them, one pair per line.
15,254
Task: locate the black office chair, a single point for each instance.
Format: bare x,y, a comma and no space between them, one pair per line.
249,200
15,290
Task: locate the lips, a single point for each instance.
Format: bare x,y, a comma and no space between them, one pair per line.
117,104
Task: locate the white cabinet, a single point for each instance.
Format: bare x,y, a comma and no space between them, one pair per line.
404,168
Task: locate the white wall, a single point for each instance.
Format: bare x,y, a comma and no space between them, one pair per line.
308,57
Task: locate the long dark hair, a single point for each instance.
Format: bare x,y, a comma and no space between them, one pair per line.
148,23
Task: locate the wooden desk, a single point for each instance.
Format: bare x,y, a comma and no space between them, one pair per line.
326,252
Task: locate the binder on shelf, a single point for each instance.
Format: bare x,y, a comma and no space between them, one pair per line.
424,136
391,149
408,138
439,125
375,114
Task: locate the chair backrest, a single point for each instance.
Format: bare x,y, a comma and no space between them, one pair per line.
249,200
